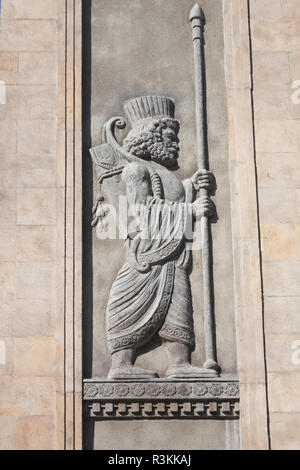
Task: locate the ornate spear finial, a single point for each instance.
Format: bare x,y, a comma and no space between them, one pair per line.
198,21
197,13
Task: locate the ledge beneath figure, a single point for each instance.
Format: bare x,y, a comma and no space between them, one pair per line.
162,398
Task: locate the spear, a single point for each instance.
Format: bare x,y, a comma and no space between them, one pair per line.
198,21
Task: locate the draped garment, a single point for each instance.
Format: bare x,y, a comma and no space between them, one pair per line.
152,292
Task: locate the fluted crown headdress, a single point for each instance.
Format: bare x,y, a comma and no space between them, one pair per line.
149,107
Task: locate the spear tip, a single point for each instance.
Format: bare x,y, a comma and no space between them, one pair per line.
197,13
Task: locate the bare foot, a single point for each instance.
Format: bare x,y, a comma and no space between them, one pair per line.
130,372
187,370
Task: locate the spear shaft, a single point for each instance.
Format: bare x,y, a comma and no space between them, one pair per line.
198,21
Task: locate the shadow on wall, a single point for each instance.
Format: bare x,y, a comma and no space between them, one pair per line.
87,183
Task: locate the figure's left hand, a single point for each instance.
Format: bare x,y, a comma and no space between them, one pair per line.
204,179
204,206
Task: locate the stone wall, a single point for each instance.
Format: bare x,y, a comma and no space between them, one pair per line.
28,66
275,29
37,180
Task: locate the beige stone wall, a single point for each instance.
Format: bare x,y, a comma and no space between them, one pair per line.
37,145
275,31
28,66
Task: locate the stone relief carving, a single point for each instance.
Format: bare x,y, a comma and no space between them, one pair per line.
151,296
152,293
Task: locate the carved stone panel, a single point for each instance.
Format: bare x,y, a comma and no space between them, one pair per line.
158,327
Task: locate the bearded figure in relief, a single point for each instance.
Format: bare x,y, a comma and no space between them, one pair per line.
152,293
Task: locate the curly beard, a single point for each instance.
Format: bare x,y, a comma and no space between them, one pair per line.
149,145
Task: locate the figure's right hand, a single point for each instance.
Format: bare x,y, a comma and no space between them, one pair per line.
102,210
204,179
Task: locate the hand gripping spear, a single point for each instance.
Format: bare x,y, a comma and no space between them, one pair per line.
198,20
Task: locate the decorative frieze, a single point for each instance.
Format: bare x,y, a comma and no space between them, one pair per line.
202,398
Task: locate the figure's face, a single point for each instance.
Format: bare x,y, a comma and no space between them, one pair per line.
158,141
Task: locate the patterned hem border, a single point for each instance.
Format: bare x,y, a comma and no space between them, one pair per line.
174,333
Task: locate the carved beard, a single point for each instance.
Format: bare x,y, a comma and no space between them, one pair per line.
149,145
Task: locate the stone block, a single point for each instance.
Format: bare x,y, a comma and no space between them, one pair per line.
284,392
277,135
8,248
238,63
275,102
277,36
8,136
8,9
160,434
298,202
280,170
271,68
280,241
7,281
6,356
35,280
251,367
37,68
7,312
285,431
29,9
281,277
27,318
34,356
30,102
8,431
35,433
240,118
9,65
295,65
8,405
34,244
7,171
290,9
27,395
281,356
36,206
8,207
268,10
282,315
235,17
36,137
35,171
35,395
253,418
278,205
28,35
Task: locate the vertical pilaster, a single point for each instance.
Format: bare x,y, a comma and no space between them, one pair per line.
69,214
245,228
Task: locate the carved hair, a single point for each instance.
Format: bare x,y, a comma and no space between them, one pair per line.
146,142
